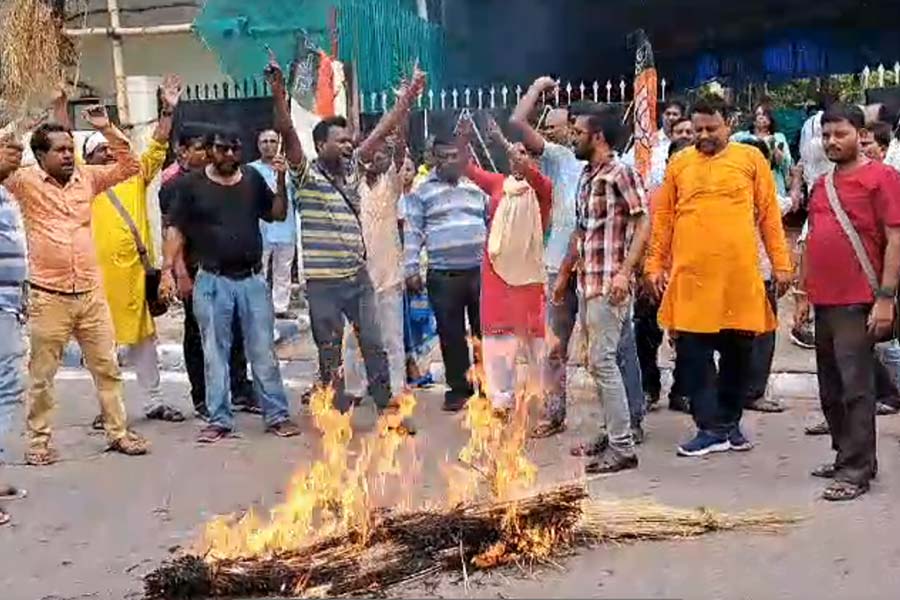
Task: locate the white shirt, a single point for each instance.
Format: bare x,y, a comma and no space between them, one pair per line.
659,156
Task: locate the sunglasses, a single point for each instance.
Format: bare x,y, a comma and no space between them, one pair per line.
226,148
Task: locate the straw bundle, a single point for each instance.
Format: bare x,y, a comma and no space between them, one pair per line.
406,546
635,520
33,54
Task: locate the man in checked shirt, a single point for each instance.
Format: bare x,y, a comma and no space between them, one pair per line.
609,239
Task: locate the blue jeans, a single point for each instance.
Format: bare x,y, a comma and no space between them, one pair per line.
12,379
630,367
216,300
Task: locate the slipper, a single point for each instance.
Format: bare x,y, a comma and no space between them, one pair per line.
97,424
41,456
841,491
595,448
547,429
820,428
212,434
9,492
825,471
4,517
165,413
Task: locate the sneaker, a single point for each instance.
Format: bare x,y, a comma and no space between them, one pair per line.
611,462
739,442
284,429
704,443
882,409
803,337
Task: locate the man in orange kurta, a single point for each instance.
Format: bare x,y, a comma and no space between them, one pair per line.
715,198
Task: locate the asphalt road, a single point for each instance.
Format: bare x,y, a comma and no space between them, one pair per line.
95,523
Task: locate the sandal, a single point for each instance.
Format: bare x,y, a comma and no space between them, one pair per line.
212,434
130,444
595,448
284,429
820,428
9,492
165,413
97,424
841,491
41,456
825,471
4,517
547,429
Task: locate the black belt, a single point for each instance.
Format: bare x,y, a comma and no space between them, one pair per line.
41,288
233,273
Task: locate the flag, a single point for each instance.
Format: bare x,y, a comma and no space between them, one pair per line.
644,105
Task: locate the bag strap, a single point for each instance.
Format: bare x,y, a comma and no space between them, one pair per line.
850,231
347,201
141,248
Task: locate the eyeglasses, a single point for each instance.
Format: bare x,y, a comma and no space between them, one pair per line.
226,148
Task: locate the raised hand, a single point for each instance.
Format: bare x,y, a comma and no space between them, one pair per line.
274,74
544,84
10,157
97,116
171,87
279,164
465,128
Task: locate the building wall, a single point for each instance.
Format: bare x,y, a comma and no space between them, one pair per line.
184,54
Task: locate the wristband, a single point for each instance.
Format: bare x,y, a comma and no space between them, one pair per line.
885,293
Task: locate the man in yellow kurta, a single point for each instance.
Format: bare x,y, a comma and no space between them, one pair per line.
120,262
715,198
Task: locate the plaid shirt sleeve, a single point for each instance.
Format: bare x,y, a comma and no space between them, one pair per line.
631,190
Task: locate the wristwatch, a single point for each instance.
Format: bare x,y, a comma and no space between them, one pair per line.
886,293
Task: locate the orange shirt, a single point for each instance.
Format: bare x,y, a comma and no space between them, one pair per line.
705,220
57,218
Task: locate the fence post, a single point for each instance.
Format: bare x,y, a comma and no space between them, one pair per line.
430,99
866,72
455,95
596,91
443,99
608,91
493,95
663,86
505,93
881,75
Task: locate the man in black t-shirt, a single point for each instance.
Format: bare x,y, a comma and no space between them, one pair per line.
218,210
192,156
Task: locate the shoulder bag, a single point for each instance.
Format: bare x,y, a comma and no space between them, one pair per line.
152,275
858,247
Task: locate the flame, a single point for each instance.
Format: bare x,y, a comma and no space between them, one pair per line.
340,491
334,495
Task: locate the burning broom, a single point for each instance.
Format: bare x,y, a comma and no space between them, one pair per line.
328,540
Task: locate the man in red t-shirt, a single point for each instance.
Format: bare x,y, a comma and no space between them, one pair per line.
852,308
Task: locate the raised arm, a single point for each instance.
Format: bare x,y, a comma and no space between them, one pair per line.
519,119
153,158
126,164
392,119
291,147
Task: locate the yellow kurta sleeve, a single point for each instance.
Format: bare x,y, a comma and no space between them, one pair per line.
152,159
770,226
662,210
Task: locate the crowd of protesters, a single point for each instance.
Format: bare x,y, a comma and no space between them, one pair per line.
503,267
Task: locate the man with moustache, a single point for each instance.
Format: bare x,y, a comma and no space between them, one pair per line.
218,209
849,274
715,300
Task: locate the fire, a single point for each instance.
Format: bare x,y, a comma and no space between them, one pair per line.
334,495
339,493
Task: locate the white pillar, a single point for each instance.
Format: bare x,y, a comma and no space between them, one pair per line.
142,103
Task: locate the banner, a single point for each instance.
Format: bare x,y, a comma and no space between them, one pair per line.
644,105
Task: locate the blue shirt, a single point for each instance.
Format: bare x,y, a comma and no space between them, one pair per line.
277,232
13,257
450,220
559,164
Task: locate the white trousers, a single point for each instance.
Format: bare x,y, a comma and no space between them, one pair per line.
143,359
282,256
389,310
501,354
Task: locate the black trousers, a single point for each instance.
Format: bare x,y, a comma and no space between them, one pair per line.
845,364
649,337
455,295
241,387
762,355
717,399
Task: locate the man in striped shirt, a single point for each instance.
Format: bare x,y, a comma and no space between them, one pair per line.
447,214
334,253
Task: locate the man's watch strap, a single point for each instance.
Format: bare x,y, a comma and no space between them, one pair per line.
886,293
